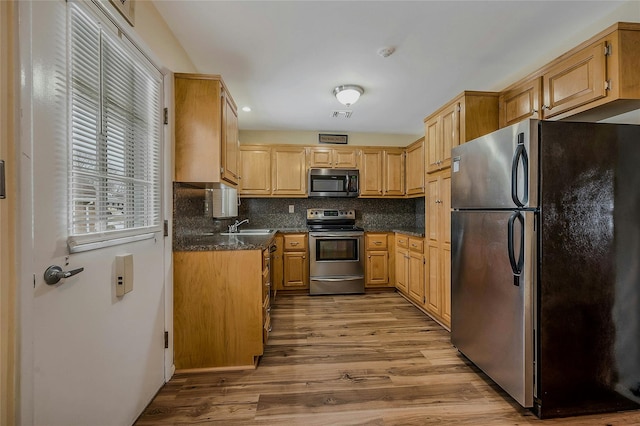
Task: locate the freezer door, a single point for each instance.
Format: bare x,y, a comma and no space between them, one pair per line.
492,277
497,171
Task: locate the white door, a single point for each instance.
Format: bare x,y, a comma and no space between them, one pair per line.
88,357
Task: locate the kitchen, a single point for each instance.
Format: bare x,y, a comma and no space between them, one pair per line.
409,209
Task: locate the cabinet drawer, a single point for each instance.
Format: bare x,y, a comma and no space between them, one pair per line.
402,241
295,242
416,244
376,241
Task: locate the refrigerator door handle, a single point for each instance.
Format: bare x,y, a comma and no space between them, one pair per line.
521,153
516,267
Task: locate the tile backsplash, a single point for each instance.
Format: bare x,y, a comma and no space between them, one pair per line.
371,213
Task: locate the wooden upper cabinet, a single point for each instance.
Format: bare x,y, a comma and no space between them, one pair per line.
393,166
206,130
371,172
470,115
520,102
289,171
255,170
414,165
336,158
595,80
575,81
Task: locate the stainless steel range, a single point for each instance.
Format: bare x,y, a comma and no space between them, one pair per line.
336,263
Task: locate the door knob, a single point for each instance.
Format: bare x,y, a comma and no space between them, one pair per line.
54,274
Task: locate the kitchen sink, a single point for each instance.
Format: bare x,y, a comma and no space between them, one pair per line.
247,232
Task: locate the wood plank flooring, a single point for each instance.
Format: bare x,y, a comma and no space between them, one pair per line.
345,360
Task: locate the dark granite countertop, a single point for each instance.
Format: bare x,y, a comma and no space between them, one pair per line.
414,232
214,242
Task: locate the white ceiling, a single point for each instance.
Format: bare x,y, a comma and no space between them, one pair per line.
283,58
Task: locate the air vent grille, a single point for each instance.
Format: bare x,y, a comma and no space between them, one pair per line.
341,114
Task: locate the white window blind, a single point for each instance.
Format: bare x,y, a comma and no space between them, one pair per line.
116,129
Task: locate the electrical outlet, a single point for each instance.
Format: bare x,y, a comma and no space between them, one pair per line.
291,209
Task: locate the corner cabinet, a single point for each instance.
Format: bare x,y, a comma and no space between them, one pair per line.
415,168
470,115
206,130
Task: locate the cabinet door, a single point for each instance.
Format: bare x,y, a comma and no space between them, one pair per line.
416,277
433,231
433,297
255,170
198,122
371,172
320,157
289,173
402,269
449,132
520,102
415,168
231,143
432,141
344,158
377,268
577,80
393,172
296,271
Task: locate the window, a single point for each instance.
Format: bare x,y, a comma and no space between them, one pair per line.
116,135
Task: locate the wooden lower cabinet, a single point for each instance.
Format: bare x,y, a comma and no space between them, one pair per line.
219,308
410,267
416,270
295,260
379,255
402,263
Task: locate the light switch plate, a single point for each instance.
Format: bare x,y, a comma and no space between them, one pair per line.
124,274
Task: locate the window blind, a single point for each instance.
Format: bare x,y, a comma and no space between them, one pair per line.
116,134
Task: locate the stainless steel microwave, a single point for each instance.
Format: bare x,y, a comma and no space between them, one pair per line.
333,183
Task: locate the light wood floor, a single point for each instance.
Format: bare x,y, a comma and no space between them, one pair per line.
345,360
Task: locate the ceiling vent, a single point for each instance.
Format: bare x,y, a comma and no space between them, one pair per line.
341,114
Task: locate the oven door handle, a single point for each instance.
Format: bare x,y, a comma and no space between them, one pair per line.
336,234
346,278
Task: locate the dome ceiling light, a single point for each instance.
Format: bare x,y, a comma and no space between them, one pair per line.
348,94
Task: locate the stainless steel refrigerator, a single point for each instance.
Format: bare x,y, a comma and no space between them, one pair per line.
545,273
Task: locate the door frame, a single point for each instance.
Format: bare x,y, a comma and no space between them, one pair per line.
8,219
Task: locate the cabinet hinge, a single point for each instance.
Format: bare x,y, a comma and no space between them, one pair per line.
221,169
166,340
166,115
607,49
607,85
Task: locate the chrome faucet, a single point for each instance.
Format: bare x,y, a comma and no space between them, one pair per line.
234,228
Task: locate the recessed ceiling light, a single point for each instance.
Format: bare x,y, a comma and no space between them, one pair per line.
246,109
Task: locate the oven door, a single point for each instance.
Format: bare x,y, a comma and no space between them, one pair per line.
336,254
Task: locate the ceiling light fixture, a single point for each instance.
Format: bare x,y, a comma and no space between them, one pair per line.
246,109
348,94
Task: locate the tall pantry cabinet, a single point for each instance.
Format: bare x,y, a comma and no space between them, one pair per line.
468,116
